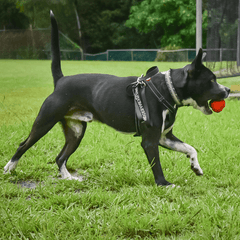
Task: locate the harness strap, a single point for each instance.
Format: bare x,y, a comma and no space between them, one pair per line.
159,96
140,101
141,106
138,114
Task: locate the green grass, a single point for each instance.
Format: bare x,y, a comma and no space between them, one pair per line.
118,198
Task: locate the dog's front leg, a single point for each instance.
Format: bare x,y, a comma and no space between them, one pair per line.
150,141
168,140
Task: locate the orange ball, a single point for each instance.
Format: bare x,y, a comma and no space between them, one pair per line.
217,106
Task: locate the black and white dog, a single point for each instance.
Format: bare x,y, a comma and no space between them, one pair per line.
82,98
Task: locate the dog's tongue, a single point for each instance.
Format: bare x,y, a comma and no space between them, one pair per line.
217,106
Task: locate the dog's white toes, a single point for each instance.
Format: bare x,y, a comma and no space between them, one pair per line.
10,166
76,178
173,186
73,178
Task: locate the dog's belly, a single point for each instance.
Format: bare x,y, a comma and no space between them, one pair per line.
124,124
82,116
121,123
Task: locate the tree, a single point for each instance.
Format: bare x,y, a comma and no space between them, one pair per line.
222,27
102,22
175,19
11,17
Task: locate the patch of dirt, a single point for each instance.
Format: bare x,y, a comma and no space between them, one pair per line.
32,185
28,184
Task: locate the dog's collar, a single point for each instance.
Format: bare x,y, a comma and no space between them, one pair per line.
171,87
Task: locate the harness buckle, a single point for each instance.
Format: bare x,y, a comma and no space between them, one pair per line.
140,81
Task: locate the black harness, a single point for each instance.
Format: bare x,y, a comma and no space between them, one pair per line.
140,101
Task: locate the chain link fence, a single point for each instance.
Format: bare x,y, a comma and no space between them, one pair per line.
35,44
221,61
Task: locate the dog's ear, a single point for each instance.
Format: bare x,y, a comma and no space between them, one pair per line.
197,62
190,70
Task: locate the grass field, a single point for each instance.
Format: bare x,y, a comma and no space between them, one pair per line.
118,198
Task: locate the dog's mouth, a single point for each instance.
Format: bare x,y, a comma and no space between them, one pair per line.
207,106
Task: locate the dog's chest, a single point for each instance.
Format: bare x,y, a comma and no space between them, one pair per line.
168,120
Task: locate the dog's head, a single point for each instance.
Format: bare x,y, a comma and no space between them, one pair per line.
199,86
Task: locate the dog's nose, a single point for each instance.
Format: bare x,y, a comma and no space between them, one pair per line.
228,90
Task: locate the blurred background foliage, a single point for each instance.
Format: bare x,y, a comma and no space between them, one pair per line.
127,24
108,24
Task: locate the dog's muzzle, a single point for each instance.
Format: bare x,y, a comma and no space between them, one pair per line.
221,96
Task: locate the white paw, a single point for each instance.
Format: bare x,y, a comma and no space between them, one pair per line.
70,177
10,166
172,186
75,178
66,175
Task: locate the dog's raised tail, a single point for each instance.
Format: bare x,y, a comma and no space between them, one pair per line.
55,49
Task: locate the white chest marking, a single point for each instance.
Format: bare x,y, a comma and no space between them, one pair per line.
193,103
164,114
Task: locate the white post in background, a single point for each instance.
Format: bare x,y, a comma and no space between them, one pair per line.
199,25
221,52
238,37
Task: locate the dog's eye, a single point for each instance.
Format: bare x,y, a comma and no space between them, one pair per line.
213,80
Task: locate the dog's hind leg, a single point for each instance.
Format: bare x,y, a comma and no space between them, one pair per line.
37,132
50,113
74,131
169,141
